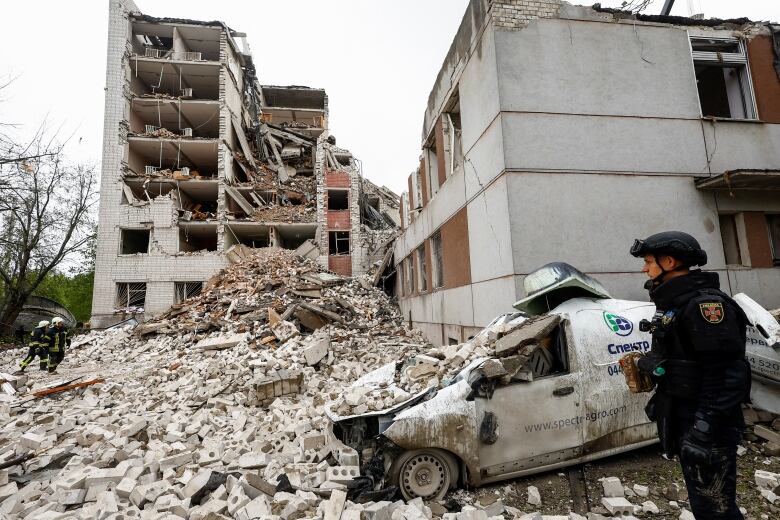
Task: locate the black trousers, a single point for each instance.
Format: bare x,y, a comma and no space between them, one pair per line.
712,488
42,352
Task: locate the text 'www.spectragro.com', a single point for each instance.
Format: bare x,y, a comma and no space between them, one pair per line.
558,424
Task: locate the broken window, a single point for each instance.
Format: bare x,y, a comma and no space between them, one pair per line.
197,237
133,241
338,242
423,272
773,223
184,290
453,135
728,233
438,260
338,200
254,236
131,296
722,78
410,275
432,169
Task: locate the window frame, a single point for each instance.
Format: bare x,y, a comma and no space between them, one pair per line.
128,289
186,289
437,261
775,251
734,223
422,268
738,60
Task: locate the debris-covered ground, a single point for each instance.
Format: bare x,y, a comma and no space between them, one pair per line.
217,410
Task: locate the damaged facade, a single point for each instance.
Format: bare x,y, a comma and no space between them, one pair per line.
199,157
561,133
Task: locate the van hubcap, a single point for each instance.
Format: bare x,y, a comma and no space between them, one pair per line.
423,476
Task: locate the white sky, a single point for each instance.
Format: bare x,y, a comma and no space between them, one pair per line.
376,60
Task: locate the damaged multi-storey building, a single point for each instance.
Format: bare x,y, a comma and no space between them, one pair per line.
557,132
199,157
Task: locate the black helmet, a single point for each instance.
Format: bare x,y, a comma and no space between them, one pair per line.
676,244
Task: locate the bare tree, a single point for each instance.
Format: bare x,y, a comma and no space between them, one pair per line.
46,214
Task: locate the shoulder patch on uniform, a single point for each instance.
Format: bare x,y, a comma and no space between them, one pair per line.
667,318
712,312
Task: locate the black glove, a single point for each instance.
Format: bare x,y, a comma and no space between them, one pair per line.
697,445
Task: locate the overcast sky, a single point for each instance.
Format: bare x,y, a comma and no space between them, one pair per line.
376,59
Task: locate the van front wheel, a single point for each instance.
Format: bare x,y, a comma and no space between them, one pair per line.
426,473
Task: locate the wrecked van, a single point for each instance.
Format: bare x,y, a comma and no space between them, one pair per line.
551,394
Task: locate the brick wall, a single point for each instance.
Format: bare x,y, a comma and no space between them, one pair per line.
338,220
336,179
515,14
341,264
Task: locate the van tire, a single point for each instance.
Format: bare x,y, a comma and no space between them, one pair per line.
427,473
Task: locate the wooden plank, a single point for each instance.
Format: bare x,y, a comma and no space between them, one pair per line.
65,388
767,433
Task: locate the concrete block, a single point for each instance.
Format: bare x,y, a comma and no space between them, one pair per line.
612,487
767,479
237,499
641,491
618,505
197,484
174,461
258,507
70,497
333,507
9,489
32,441
534,497
342,474
220,342
348,457
253,460
317,350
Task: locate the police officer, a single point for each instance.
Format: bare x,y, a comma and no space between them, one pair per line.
698,362
58,335
39,344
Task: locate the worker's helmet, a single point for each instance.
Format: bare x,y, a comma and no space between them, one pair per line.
56,320
43,323
677,244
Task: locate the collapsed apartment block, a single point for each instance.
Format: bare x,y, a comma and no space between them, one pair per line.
199,157
560,133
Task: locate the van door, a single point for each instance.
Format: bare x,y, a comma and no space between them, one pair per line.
537,423
605,331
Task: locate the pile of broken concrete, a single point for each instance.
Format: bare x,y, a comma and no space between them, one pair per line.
213,410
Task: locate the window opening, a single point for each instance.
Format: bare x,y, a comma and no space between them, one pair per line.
723,78
728,233
338,242
197,238
338,200
433,170
773,223
134,241
131,296
423,271
184,290
438,261
410,276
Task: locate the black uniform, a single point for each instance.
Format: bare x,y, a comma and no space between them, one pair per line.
58,338
39,344
699,345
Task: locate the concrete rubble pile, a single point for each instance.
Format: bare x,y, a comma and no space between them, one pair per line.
203,410
514,340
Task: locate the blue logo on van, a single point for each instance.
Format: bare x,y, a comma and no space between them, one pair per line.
618,324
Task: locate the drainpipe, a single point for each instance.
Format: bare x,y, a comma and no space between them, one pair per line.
667,8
